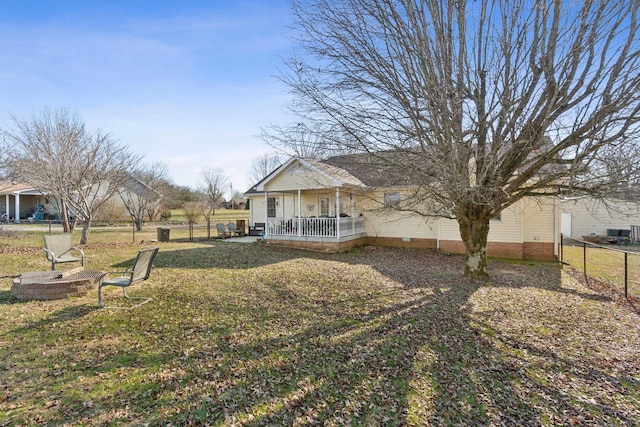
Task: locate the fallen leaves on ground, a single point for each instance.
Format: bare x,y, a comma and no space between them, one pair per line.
255,335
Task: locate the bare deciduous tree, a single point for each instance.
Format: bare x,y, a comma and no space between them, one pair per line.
299,140
481,103
79,169
192,211
262,166
111,212
213,184
140,194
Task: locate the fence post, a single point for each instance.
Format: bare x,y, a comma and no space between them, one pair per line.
584,257
626,294
561,248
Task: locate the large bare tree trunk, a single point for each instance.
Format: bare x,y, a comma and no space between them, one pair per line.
474,230
67,224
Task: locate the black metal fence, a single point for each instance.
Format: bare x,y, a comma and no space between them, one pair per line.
166,230
616,264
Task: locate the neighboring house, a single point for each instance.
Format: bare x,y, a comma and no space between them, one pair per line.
21,201
31,203
319,205
139,198
586,216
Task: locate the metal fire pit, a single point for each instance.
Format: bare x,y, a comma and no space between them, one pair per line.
46,285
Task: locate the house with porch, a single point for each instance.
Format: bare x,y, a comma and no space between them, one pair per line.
19,202
334,205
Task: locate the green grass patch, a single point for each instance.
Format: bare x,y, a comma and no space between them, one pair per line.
608,265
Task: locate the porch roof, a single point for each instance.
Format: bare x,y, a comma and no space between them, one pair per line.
338,177
7,187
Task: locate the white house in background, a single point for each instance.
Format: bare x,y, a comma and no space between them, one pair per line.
333,205
584,216
20,201
31,203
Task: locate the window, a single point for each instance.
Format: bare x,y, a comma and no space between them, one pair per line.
324,206
391,199
271,207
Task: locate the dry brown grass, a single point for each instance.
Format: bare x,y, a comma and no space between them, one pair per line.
255,335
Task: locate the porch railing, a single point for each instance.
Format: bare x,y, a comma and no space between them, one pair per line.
315,227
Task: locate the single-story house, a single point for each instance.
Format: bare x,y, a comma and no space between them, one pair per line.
587,216
31,203
20,201
331,206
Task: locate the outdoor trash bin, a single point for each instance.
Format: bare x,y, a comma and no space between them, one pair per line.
163,234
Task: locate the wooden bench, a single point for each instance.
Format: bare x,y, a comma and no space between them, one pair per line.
256,229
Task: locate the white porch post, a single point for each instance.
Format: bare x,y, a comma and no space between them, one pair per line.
7,206
16,215
338,212
299,213
266,212
353,214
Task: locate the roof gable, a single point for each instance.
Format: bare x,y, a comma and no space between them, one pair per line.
299,173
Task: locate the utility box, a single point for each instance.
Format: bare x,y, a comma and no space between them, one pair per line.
163,234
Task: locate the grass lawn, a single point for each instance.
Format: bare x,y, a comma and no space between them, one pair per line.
249,334
608,264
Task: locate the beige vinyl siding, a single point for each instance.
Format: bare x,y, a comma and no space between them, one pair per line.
522,222
257,208
506,229
400,225
539,220
588,214
380,222
449,229
296,177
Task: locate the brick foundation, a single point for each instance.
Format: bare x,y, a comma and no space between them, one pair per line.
400,243
526,250
538,250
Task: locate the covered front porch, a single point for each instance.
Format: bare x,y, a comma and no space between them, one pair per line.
312,216
315,227
308,204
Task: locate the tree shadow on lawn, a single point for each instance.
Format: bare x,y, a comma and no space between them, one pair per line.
405,345
230,256
426,360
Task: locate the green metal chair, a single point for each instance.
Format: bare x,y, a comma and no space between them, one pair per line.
59,249
139,272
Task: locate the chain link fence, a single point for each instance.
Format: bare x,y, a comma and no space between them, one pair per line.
617,262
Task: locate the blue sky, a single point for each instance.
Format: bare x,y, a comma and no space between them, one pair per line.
189,83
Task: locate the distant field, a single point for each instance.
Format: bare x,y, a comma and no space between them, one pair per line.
221,215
